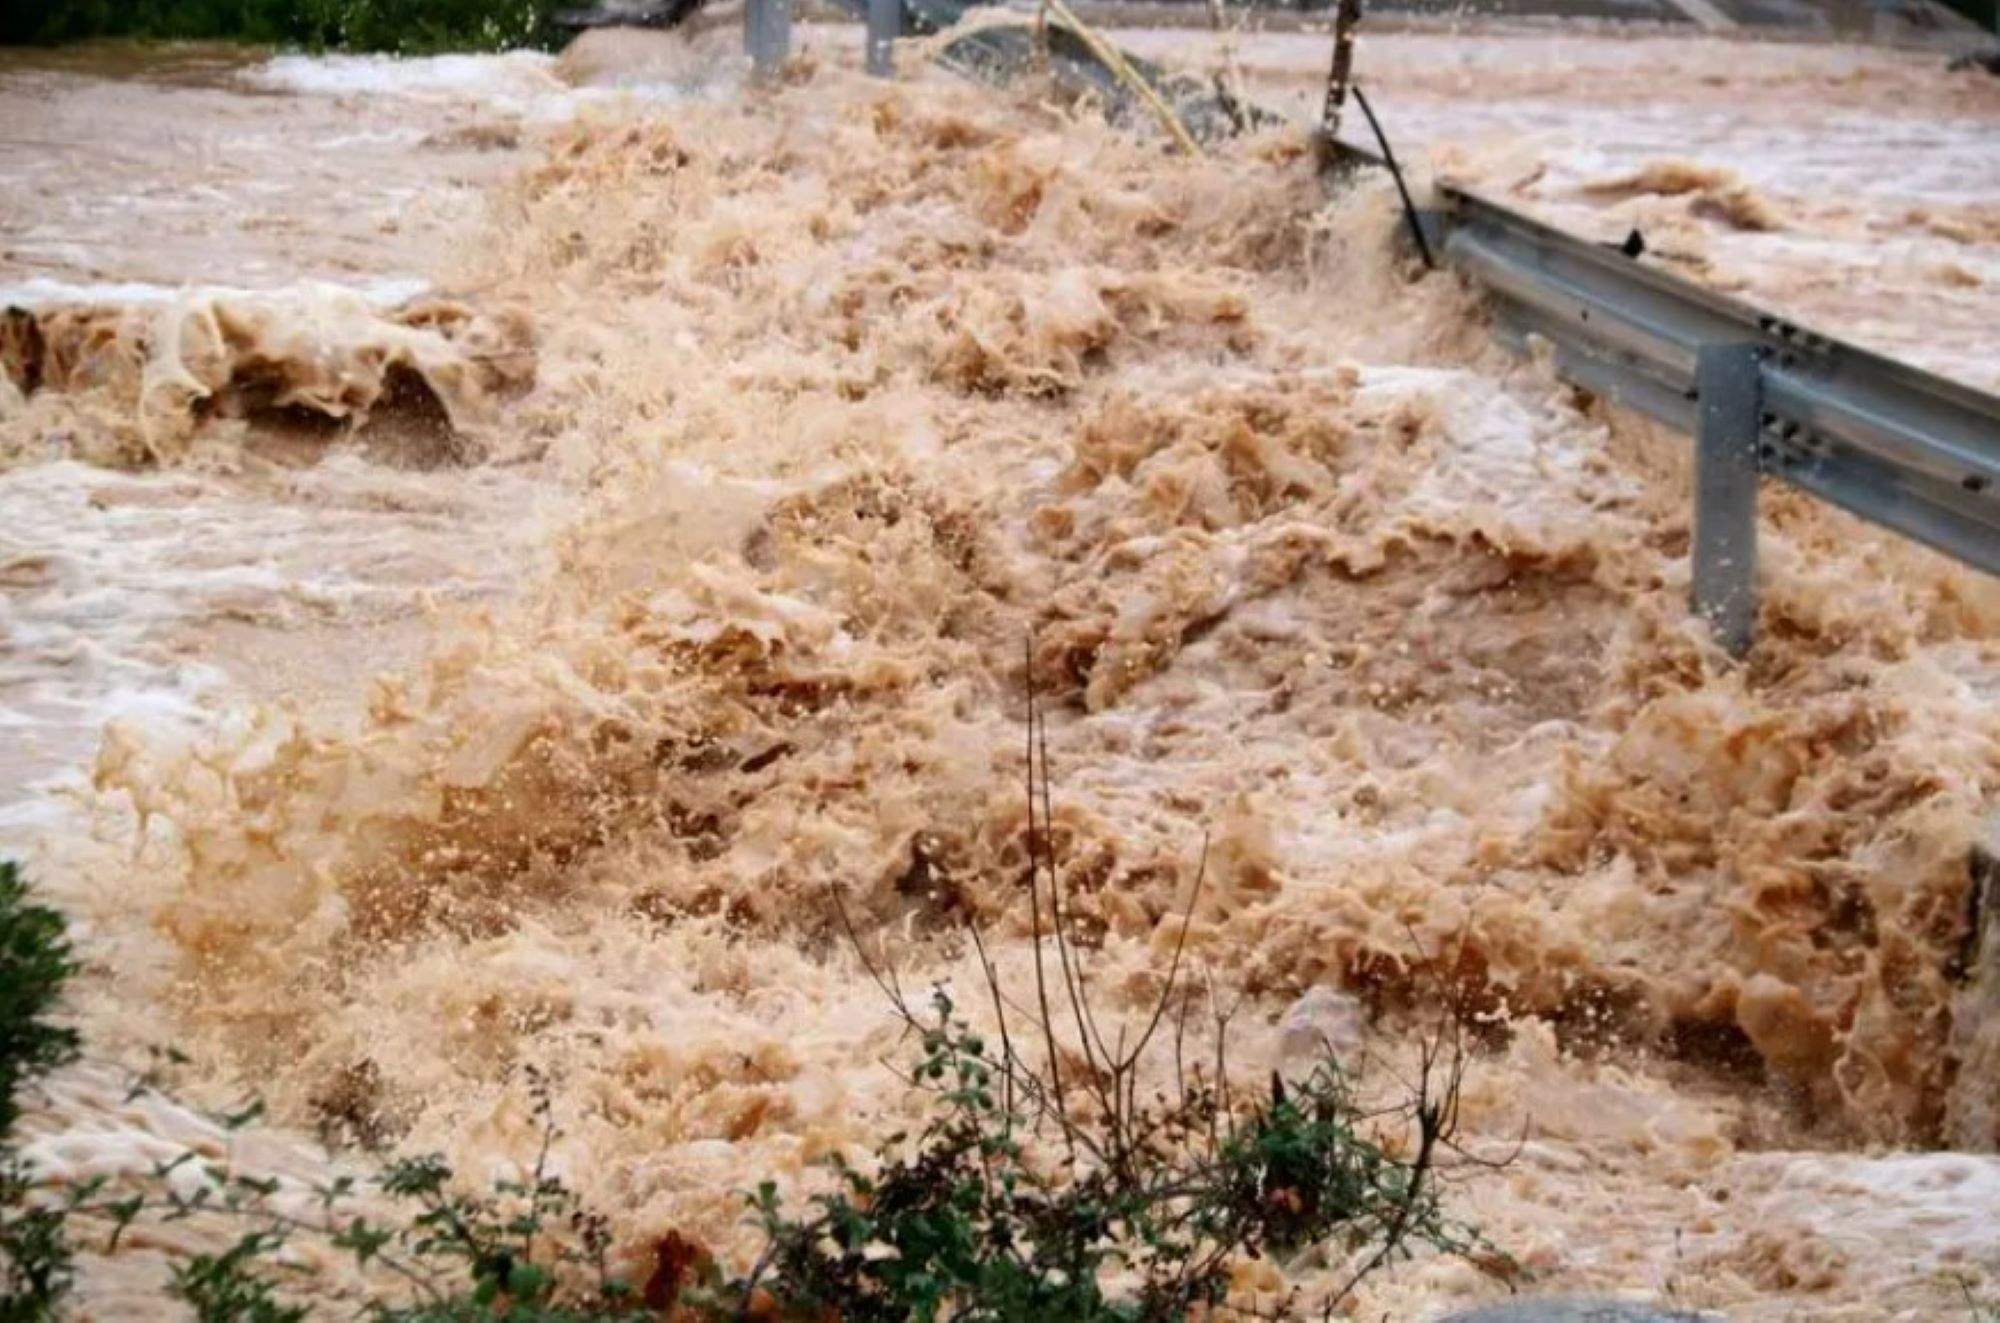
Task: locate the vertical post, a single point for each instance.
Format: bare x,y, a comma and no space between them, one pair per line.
1972,1108
885,24
1729,392
1346,15
767,34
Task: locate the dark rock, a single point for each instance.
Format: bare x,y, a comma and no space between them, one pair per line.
1002,52
629,14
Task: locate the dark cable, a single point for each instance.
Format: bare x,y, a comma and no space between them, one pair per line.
1396,172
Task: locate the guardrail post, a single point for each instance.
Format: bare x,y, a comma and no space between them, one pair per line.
767,34
885,24
1729,388
1972,1108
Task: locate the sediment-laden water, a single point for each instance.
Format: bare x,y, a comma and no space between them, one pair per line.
501,671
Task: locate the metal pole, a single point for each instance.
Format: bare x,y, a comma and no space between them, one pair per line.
1342,70
767,34
1728,385
885,24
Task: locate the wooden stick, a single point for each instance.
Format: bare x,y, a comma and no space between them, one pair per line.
1126,74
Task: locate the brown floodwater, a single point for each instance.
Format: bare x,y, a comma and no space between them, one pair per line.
1849,187
174,165
492,541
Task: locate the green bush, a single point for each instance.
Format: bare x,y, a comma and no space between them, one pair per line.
415,26
397,26
35,964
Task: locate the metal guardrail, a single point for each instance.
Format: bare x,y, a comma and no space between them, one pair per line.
1762,396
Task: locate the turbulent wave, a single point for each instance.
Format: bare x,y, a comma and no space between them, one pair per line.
147,382
1712,193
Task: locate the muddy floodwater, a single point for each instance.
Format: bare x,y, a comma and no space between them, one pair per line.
487,543
1849,187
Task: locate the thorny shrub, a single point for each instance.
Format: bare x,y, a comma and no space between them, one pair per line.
1067,1173
967,1223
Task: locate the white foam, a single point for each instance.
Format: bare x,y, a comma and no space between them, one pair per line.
1939,1209
521,83
40,291
514,74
